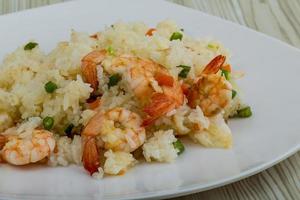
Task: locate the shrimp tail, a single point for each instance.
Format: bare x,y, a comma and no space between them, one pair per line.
159,106
214,65
148,121
90,156
89,67
89,71
2,141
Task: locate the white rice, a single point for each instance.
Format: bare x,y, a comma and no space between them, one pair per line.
86,115
23,75
68,151
160,147
118,162
218,134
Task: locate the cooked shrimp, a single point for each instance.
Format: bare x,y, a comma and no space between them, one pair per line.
2,141
152,85
90,155
22,151
214,65
139,73
161,103
212,92
89,66
119,129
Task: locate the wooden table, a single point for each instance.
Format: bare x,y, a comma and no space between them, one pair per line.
278,18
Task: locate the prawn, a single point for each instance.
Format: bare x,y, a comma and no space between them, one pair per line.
22,151
157,91
212,92
139,73
118,128
161,103
2,141
89,66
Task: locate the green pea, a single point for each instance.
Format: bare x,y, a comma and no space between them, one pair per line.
30,46
48,122
50,87
176,36
114,79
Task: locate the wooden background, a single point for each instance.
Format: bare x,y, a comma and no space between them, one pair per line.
278,18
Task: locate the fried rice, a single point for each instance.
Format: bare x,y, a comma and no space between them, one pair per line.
25,101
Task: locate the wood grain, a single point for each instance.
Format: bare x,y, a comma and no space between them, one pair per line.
278,18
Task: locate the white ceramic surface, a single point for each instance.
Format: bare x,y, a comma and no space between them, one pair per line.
270,87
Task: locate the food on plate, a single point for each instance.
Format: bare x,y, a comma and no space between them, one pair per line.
123,95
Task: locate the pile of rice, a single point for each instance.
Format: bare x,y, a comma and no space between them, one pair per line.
24,102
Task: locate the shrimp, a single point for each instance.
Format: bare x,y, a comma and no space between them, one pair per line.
161,103
89,66
155,89
90,155
212,92
2,141
139,73
22,151
143,76
118,128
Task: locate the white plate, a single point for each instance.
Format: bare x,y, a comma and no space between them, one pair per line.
270,87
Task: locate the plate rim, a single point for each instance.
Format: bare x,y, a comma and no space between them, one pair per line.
182,191
194,188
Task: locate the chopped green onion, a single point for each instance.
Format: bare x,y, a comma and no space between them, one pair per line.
30,45
178,146
113,80
111,51
185,70
213,46
226,74
50,87
233,94
69,129
176,36
183,73
48,123
244,112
